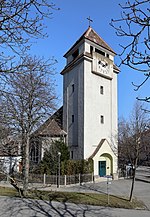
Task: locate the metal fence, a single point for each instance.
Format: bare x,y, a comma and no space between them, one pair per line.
63,180
125,173
53,179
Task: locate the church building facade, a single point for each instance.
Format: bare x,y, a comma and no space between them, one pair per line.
90,102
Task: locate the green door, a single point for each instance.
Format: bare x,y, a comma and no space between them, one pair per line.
102,168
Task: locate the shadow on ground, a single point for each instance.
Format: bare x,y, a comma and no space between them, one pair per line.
16,207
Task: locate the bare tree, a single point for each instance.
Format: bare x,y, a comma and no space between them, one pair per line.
30,98
134,26
133,139
20,20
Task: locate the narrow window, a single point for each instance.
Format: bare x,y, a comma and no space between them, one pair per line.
72,118
102,119
91,49
101,90
71,154
107,55
75,54
35,153
72,88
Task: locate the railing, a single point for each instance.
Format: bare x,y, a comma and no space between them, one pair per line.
53,179
125,173
64,180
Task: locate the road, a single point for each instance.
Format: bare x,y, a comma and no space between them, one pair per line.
15,207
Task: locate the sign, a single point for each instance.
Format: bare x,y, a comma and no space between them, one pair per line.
108,177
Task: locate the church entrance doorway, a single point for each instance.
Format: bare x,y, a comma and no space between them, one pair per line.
105,165
102,168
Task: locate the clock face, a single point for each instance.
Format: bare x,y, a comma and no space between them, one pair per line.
103,66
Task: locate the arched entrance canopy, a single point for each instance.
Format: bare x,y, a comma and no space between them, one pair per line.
105,160
105,164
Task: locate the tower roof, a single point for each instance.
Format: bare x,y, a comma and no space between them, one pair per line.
91,35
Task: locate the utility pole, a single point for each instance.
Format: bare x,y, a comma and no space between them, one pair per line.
59,155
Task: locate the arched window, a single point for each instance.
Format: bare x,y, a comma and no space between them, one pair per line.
35,152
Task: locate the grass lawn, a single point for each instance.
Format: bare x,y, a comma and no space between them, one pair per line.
6,191
77,198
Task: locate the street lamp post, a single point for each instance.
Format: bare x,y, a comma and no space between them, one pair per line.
59,154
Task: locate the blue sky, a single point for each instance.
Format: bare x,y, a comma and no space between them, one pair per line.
69,23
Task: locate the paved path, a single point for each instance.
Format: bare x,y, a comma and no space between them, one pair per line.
118,188
15,207
143,174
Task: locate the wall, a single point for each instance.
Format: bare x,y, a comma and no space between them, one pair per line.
73,105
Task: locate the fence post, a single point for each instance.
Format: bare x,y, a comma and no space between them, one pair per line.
56,180
65,182
7,179
92,177
79,178
44,180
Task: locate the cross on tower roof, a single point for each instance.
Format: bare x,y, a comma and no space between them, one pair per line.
90,20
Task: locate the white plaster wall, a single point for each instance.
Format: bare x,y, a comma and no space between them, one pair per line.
103,150
87,47
114,110
95,105
87,105
73,105
87,131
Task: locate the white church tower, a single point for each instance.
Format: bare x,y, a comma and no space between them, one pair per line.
90,102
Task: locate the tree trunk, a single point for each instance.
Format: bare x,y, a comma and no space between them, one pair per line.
132,185
135,162
26,166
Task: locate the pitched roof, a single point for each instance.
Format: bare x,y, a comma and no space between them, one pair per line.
52,126
91,35
97,148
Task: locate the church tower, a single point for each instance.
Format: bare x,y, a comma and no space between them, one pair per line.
90,102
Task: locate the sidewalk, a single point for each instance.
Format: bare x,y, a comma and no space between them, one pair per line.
143,174
17,207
